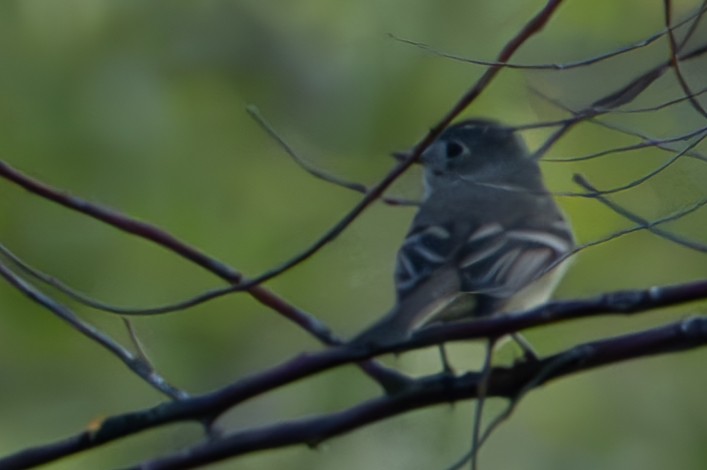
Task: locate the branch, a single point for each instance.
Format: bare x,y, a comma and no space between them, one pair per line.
582,181
386,377
212,405
641,224
623,96
660,106
162,238
503,382
118,220
254,112
675,62
646,143
591,117
139,366
557,67
638,181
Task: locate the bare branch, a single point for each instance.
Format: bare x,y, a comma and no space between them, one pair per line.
168,241
660,106
680,336
134,363
646,143
386,377
577,115
658,144
642,226
693,245
642,179
254,112
118,220
215,403
675,62
557,67
625,94
605,104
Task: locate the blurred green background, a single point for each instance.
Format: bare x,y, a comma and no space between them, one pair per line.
141,106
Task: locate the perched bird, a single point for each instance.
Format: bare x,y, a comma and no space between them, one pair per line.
488,235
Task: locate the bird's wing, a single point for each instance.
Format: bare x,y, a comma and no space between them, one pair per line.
426,249
498,262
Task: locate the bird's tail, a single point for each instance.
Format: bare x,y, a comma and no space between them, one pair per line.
396,326
388,330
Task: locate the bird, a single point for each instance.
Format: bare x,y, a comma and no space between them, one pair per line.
488,237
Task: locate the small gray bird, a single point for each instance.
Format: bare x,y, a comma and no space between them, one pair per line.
488,235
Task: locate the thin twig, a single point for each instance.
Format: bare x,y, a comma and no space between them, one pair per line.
624,95
589,117
319,330
254,113
627,93
558,67
134,363
675,62
646,138
627,148
257,116
642,226
658,107
137,344
638,181
693,245
75,294
561,360
480,400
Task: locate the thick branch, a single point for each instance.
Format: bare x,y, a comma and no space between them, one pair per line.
505,382
430,391
213,404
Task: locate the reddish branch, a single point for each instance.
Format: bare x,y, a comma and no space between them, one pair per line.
675,60
386,377
141,229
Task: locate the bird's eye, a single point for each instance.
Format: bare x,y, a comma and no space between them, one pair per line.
454,149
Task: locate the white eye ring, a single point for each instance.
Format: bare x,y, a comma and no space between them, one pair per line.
454,149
